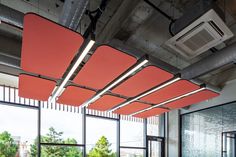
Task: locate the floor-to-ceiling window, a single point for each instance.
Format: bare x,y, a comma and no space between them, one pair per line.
132,138
101,136
202,131
67,131
17,130
61,133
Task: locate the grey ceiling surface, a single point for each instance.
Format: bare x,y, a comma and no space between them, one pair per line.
131,22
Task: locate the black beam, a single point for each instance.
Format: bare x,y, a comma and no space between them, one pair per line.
159,10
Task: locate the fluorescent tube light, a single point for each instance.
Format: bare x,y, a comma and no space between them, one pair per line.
168,101
116,81
146,93
72,70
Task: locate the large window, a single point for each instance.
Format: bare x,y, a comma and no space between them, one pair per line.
132,138
153,126
61,151
202,130
66,125
127,152
131,133
18,130
63,129
101,133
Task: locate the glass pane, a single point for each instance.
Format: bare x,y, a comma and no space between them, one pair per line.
61,126
153,126
20,126
131,152
202,130
1,93
131,133
100,133
61,151
154,149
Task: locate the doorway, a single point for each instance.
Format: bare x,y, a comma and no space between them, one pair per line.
155,146
229,144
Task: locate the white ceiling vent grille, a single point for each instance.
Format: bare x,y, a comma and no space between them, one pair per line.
206,32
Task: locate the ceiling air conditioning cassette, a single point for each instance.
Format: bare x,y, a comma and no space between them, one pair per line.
204,33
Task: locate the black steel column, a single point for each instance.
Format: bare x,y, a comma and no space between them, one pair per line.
145,140
39,128
84,130
118,137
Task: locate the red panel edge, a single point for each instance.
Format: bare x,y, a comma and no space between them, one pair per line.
152,112
193,99
35,85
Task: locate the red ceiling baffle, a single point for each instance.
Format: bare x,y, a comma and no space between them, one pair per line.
106,102
35,88
192,99
104,66
152,112
145,79
176,89
132,108
75,96
47,47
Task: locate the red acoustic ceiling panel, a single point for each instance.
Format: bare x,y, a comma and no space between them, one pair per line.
174,90
142,81
104,66
106,102
192,99
47,48
35,88
150,113
75,96
131,108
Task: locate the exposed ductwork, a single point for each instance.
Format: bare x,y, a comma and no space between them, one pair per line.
11,16
72,13
210,63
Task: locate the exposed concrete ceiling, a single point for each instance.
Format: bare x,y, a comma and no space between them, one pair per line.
132,22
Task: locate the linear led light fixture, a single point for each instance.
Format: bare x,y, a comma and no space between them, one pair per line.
59,89
127,73
170,100
146,93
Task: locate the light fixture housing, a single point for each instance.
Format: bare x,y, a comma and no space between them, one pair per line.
175,79
84,52
124,75
170,100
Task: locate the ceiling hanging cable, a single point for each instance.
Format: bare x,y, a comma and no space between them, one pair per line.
94,18
164,14
90,36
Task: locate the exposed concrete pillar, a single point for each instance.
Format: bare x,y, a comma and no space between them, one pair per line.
172,134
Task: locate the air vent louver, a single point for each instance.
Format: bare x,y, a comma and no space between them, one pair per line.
206,32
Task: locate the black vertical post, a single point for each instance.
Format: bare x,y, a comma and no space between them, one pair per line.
234,145
145,141
118,136
84,130
39,128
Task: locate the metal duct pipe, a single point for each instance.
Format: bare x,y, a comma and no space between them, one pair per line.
72,13
210,63
11,16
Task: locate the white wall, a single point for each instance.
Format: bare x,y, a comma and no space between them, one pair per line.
8,80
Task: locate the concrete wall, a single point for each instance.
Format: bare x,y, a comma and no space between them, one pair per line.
172,138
